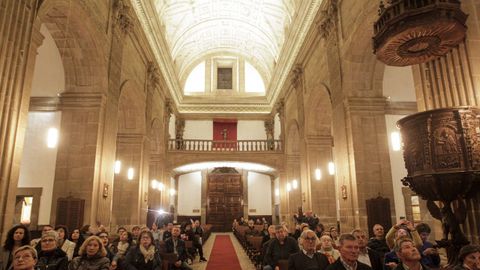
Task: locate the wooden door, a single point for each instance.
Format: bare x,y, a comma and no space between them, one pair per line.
224,200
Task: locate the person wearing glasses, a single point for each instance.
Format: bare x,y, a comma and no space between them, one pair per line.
308,258
279,248
24,258
106,244
51,257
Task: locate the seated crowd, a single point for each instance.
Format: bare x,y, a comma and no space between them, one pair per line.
90,249
311,247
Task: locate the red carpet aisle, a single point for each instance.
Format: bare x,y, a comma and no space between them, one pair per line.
223,255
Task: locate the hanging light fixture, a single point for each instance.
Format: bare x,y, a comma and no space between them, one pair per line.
277,192
52,138
130,173
331,168
117,167
396,141
289,187
295,183
160,186
172,192
155,184
318,174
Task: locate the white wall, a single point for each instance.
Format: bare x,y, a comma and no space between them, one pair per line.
251,130
189,193
198,130
259,193
398,84
37,168
48,74
397,166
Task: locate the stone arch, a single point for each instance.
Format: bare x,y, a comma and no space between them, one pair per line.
83,54
318,116
157,144
131,110
365,72
293,138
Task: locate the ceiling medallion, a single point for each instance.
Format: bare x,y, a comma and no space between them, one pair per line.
413,32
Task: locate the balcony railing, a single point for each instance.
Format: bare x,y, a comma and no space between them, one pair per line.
225,146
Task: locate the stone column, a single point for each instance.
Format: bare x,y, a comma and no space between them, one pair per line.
203,209
360,158
128,193
19,41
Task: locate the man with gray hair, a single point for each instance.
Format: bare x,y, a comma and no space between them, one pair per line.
367,256
409,255
308,258
349,251
279,248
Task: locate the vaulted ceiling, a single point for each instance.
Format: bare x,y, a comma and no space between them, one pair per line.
266,33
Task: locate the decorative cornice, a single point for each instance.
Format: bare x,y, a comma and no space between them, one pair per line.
81,100
291,49
131,138
44,104
401,107
375,105
319,140
228,109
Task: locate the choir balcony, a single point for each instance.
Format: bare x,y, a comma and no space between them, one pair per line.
189,145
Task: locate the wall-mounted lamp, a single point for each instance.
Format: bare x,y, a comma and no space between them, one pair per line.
117,167
161,186
295,183
277,192
289,187
130,173
172,192
318,174
155,184
396,141
331,168
52,138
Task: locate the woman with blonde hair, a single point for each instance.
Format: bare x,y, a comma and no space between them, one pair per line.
24,258
92,256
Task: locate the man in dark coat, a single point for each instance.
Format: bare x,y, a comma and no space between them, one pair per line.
378,242
367,256
279,248
349,251
176,245
409,255
308,258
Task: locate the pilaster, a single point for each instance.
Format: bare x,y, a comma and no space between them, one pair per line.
19,41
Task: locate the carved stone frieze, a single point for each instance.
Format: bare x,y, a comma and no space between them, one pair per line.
122,16
327,23
153,75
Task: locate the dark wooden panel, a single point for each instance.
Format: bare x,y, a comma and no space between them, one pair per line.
70,212
224,197
378,212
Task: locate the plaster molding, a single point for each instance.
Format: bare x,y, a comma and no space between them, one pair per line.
44,104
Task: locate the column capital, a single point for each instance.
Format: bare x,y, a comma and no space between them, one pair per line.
122,16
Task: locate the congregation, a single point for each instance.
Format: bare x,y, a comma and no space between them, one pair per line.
405,246
91,248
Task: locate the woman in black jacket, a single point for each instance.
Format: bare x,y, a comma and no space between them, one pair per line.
144,256
92,256
51,257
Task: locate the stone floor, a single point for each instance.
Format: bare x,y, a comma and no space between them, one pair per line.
245,262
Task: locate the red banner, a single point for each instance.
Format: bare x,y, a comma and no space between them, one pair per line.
225,130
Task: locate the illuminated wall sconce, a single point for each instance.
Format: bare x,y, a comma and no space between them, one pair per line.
130,173
155,184
277,192
172,192
52,138
161,186
396,141
117,167
331,168
318,174
295,184
289,187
